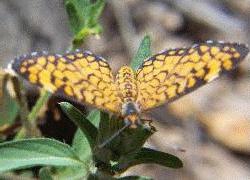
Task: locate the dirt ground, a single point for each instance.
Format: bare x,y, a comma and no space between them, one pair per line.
208,129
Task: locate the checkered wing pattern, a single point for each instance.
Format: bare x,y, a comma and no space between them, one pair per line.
80,75
172,73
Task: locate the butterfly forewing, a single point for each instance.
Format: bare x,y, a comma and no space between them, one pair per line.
173,73
80,75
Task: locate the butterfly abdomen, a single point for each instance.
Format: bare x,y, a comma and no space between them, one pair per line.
126,83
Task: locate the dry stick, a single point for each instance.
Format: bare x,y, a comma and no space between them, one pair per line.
126,28
29,126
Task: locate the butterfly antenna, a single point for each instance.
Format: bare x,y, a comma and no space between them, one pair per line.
114,135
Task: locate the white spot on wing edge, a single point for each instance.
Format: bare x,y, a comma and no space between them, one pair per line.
209,41
213,78
34,53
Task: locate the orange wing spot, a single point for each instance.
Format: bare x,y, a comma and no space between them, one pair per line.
236,55
190,51
185,69
41,61
182,86
33,70
214,69
227,64
30,61
158,64
61,66
90,58
206,57
68,90
94,65
103,63
195,57
147,63
171,52
101,85
33,78
83,62
160,57
148,69
200,73
161,89
204,48
214,50
171,91
71,67
51,59
161,77
106,78
232,50
154,82
58,83
219,55
50,67
23,69
199,65
58,74
148,77
226,48
99,101
94,80
104,70
97,93
25,63
180,52
72,57
191,82
185,59
79,55
72,76
226,57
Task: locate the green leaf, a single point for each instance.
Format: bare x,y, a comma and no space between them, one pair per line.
34,152
94,117
128,141
146,155
72,173
135,178
83,17
81,146
142,53
45,174
89,130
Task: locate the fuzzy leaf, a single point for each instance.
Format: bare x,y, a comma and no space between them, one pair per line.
134,178
45,174
34,152
146,155
89,130
83,17
143,52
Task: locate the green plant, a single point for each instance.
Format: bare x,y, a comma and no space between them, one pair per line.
90,156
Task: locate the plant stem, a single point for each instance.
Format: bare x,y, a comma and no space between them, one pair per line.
44,97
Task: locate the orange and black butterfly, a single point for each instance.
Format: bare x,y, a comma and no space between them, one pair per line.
161,78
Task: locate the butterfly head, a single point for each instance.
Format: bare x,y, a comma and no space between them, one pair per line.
130,112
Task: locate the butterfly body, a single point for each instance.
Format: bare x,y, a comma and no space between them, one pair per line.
162,78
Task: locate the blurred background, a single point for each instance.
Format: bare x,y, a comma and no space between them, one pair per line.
208,129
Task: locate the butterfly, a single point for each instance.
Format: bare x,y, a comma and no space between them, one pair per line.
162,78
